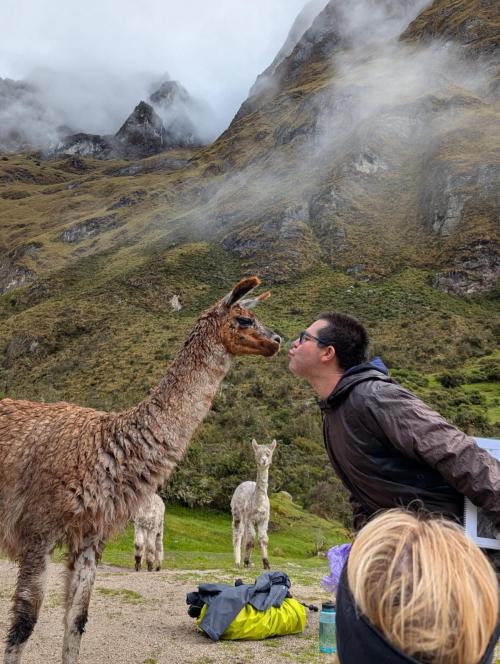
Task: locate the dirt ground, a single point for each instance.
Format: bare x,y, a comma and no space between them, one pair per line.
141,618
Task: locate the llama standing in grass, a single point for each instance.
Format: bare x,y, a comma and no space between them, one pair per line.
148,533
76,475
250,508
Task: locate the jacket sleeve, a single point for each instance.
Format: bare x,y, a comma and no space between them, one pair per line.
419,432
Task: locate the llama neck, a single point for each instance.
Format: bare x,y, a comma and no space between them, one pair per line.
184,396
261,484
154,436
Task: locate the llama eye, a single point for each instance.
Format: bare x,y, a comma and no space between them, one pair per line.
243,321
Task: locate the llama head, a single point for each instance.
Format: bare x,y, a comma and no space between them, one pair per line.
263,453
240,331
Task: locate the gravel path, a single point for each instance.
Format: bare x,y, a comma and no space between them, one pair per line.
141,618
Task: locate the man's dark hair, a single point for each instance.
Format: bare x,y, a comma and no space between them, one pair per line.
347,335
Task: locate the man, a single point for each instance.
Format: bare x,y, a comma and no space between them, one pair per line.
386,445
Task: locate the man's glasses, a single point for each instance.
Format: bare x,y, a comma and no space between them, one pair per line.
305,335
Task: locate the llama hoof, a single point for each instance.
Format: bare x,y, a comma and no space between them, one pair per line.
266,564
150,567
157,569
248,564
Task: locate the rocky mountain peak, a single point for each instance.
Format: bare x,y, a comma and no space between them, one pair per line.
144,130
143,116
169,118
299,27
169,93
183,116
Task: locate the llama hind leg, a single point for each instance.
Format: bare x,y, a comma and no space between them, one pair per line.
237,539
263,542
249,543
139,547
150,549
80,581
159,550
28,598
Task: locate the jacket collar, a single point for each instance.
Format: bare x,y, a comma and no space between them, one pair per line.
374,369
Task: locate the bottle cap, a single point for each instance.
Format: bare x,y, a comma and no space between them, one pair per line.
328,606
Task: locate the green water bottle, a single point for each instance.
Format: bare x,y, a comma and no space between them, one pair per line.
327,629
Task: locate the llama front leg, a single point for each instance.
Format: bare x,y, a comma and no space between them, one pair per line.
27,600
139,547
249,543
80,581
237,538
159,550
263,542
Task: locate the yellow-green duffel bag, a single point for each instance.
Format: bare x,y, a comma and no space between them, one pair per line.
253,625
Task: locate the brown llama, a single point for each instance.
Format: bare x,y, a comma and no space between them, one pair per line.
75,475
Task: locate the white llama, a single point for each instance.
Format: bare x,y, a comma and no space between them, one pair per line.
250,508
148,533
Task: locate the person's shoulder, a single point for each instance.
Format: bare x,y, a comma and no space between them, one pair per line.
378,385
358,384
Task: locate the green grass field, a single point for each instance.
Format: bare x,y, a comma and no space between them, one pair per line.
198,539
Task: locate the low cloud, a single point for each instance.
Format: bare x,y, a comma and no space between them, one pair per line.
91,64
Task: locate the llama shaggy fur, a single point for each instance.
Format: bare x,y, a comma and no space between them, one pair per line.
148,533
251,509
75,475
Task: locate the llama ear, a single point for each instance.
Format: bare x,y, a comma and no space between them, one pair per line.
242,288
273,445
254,444
250,304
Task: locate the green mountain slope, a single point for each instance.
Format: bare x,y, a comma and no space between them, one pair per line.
341,193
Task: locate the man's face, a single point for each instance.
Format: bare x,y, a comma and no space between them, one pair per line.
305,357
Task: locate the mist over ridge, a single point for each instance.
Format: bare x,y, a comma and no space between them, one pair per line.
360,146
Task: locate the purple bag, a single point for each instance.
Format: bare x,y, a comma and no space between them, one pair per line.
337,557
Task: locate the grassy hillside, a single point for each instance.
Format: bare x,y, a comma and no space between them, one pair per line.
101,334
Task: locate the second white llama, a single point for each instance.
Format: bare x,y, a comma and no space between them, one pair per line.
250,508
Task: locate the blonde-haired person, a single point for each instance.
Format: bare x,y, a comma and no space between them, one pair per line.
416,589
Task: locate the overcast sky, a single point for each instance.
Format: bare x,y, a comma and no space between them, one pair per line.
215,48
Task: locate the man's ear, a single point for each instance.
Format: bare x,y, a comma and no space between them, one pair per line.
329,354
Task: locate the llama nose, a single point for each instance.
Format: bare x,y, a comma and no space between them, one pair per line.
277,338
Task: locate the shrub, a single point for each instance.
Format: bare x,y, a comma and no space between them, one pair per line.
476,398
330,500
486,370
473,422
451,379
410,379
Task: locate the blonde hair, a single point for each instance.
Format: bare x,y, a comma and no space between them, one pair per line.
427,587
